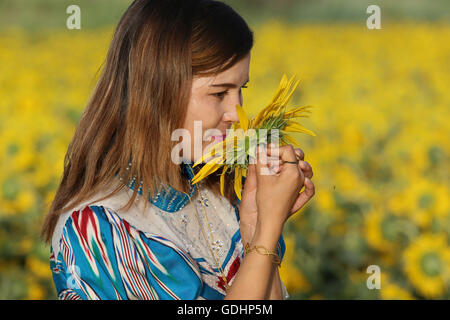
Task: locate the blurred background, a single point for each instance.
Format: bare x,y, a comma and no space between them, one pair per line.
380,157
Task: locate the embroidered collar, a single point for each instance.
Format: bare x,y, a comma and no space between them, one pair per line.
169,199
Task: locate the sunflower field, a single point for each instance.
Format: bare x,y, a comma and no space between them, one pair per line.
381,154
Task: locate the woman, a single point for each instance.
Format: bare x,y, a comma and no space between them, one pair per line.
170,63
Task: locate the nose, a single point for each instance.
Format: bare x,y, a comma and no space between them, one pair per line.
230,114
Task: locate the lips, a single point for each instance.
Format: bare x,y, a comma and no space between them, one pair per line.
219,138
213,140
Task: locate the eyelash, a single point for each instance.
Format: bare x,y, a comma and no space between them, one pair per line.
220,95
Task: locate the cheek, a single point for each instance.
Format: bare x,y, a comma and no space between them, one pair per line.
210,115
204,108
211,119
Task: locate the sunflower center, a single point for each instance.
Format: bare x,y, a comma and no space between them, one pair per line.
426,200
390,228
431,264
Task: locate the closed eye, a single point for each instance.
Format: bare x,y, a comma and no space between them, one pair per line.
221,95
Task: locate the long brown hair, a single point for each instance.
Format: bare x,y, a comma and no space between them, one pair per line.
142,96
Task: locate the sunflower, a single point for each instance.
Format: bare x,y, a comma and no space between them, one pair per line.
292,276
386,232
272,124
427,264
392,290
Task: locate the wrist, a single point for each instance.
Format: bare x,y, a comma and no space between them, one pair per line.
267,228
267,237
247,232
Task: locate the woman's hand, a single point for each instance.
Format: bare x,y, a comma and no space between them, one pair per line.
248,209
267,201
306,168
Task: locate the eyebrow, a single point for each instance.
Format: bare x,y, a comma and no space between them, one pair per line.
228,85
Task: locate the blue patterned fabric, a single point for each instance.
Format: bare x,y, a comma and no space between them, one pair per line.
169,199
102,257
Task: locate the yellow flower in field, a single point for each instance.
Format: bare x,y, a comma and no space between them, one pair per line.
392,291
25,200
234,151
37,267
293,278
387,233
421,201
325,201
348,182
25,245
376,237
34,290
427,264
401,202
441,206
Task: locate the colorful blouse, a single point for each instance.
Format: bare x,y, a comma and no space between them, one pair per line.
100,251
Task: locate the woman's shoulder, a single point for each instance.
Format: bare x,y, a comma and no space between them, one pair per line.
83,222
104,210
90,222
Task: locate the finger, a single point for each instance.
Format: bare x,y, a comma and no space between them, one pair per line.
304,196
273,159
250,181
286,153
300,154
306,168
251,170
274,164
262,163
290,162
275,169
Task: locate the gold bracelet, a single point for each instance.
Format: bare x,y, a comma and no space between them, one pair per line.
262,250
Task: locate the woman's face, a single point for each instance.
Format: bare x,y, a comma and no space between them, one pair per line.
213,102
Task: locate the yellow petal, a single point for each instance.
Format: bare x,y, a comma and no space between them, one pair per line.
298,112
286,99
284,91
238,182
296,127
222,180
243,119
217,148
280,89
207,169
261,116
204,172
282,96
